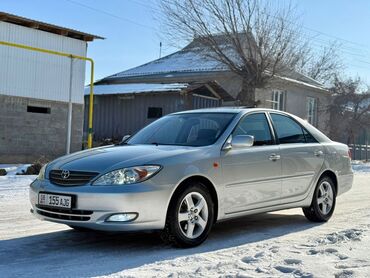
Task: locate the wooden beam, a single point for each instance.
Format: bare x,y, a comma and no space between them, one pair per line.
33,25
63,32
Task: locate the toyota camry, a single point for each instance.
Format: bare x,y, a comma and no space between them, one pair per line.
189,170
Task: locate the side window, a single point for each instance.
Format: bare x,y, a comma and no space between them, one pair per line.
288,131
257,126
309,137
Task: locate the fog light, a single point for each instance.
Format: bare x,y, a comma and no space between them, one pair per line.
122,217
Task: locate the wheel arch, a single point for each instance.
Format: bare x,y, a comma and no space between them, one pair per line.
206,182
332,176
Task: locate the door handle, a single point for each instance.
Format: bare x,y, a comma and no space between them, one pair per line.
274,157
318,153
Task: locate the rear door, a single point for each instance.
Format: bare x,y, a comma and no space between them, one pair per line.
301,157
252,175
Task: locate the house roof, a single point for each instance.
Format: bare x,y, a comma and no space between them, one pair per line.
34,24
213,89
136,88
191,59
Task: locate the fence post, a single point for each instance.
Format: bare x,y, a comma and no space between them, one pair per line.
366,146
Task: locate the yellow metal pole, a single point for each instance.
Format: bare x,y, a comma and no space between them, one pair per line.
91,98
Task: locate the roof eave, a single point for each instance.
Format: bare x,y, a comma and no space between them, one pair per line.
46,27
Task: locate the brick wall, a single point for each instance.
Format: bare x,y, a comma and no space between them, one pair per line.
27,136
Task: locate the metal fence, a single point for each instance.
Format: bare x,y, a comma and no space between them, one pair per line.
360,152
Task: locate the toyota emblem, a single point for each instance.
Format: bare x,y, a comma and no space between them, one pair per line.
65,174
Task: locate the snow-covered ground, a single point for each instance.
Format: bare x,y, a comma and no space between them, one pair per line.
279,244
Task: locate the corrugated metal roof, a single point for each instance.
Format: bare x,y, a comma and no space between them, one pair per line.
47,27
192,59
185,60
136,88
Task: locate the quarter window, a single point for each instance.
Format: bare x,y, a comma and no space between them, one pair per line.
311,107
278,100
257,126
288,130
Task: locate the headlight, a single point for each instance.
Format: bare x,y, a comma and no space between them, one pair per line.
41,175
128,175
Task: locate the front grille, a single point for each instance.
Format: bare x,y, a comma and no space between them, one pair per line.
75,177
73,214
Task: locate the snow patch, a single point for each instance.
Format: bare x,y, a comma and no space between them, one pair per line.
360,166
346,235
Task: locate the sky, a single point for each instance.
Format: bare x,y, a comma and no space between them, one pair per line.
133,32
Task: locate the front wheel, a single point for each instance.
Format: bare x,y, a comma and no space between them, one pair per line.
190,217
323,201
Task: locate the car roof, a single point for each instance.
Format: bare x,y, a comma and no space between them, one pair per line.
320,137
231,109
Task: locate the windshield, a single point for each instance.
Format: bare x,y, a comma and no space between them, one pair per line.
193,129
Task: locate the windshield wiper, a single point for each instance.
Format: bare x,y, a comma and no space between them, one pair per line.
154,143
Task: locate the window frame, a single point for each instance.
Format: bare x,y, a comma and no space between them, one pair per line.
272,131
311,119
298,123
280,95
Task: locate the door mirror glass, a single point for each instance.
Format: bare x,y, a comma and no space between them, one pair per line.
242,141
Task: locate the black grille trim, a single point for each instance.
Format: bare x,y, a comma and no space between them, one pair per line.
56,215
65,211
75,177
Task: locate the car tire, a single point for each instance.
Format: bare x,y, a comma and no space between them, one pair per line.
323,201
190,216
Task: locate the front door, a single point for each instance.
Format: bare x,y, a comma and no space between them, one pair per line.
252,175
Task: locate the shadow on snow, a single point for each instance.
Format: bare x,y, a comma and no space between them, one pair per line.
69,252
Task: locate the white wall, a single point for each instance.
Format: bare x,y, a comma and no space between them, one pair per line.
31,74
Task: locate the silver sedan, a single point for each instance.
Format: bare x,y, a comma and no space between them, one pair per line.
188,170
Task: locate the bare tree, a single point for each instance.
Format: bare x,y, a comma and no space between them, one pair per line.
323,65
349,110
257,40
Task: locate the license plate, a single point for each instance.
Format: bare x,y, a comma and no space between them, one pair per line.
53,200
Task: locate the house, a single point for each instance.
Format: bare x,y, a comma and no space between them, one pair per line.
121,109
294,92
35,89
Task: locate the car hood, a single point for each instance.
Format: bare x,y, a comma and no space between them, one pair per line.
114,157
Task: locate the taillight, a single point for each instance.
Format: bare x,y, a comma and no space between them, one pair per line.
349,154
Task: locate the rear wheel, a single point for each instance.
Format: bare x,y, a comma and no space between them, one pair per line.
323,201
190,217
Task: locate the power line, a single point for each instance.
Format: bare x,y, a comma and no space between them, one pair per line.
315,40
110,14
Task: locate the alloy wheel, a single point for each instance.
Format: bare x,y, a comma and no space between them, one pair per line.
325,198
193,215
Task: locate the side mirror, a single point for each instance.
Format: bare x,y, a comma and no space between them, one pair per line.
239,141
125,138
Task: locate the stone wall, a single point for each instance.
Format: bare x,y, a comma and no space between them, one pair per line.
28,136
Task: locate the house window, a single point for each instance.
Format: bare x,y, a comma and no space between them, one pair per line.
311,110
278,100
154,112
38,109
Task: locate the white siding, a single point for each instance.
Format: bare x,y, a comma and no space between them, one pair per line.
37,75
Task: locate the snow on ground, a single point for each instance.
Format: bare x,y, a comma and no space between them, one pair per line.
279,244
13,169
360,166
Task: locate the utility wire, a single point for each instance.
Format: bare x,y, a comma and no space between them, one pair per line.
316,42
110,14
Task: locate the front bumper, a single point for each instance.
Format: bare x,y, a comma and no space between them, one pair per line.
94,204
